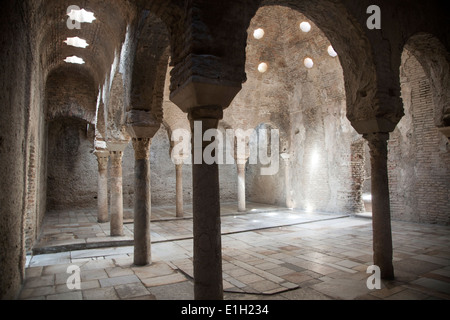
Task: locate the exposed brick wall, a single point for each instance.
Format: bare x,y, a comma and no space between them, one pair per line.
72,168
419,155
71,92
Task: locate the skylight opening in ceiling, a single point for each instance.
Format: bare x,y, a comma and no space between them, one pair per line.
75,60
76,42
81,16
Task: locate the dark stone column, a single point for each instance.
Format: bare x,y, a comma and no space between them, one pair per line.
381,213
206,210
142,202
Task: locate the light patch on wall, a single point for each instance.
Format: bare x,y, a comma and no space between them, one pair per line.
75,60
263,67
309,63
258,34
331,51
315,158
76,42
82,16
305,26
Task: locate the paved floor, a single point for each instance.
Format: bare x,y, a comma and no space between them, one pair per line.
268,253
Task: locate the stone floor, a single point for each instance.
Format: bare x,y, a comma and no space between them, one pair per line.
268,254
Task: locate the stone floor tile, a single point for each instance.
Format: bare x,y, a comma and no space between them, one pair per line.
281,271
250,278
264,286
177,291
149,296
66,296
433,284
297,277
304,294
37,292
163,280
110,282
43,281
415,266
154,270
93,274
347,263
387,292
345,289
408,294
118,272
33,272
100,294
132,290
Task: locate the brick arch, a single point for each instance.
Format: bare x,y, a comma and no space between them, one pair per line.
149,66
104,35
354,50
435,61
71,92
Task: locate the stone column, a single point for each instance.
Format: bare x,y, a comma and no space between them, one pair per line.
116,184
241,187
241,155
179,189
102,194
381,215
206,209
142,202
142,127
287,177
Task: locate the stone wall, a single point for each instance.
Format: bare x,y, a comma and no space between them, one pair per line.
15,83
419,155
72,168
308,106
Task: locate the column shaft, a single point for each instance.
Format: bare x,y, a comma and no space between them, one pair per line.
241,187
381,215
206,209
116,193
142,202
102,194
179,190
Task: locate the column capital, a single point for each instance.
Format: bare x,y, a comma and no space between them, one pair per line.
376,124
117,145
142,148
142,124
102,159
205,112
197,91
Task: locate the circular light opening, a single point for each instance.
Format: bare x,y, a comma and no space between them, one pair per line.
309,63
331,52
258,34
305,26
263,67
